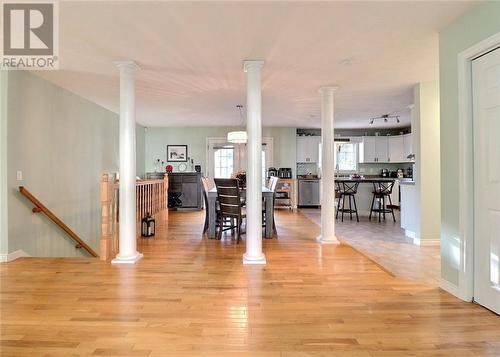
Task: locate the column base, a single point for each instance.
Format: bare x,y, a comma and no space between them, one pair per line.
127,260
254,260
327,240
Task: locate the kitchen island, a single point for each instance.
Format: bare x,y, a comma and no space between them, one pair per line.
364,196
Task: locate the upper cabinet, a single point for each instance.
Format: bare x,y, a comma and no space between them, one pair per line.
308,149
374,149
408,146
396,148
384,149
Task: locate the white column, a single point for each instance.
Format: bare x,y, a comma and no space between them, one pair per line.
254,253
328,168
127,227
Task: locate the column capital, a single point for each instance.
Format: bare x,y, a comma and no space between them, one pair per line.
252,64
127,65
327,89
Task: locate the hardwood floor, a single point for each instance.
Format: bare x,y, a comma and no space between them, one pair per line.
190,296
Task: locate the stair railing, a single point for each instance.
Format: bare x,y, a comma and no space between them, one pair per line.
41,208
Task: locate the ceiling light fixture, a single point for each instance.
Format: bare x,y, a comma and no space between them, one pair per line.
238,136
385,118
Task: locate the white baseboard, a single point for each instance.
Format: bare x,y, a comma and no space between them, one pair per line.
412,235
419,241
430,241
449,287
426,242
5,258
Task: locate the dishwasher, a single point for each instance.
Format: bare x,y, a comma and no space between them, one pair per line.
309,193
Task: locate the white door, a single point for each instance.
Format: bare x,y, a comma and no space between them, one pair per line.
486,103
224,159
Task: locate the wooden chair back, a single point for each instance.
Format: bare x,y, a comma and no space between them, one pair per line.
273,183
228,193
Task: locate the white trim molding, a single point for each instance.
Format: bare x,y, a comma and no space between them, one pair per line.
449,287
426,242
465,289
5,258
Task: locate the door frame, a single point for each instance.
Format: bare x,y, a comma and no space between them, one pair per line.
465,288
268,140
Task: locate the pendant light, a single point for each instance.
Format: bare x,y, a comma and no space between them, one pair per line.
238,136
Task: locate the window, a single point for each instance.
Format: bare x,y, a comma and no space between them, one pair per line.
346,157
224,159
223,162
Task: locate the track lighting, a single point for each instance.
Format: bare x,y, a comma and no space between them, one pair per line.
386,118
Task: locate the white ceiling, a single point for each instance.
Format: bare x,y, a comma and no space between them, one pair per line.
191,56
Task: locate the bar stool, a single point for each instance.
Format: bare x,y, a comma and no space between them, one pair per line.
347,189
381,190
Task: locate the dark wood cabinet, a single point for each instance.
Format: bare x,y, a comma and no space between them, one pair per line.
186,186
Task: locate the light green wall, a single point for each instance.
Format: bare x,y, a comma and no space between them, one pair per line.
140,136
478,24
4,248
157,140
62,143
426,143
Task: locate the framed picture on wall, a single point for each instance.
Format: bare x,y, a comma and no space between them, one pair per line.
177,153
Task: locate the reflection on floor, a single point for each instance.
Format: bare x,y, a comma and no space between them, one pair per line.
386,244
190,296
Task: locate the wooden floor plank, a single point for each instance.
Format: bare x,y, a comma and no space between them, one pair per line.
190,296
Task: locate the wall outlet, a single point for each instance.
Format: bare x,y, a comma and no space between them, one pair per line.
19,175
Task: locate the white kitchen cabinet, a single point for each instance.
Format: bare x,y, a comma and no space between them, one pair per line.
367,151
385,149
396,148
382,148
407,146
374,149
308,149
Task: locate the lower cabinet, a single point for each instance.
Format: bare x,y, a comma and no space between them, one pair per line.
184,190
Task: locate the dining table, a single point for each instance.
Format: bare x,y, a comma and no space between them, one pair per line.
267,194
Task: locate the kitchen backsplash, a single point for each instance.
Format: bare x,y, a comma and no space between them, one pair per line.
306,168
375,169
363,169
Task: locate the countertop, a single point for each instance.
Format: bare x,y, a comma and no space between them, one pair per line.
406,181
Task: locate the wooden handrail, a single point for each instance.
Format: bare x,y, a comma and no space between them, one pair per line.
39,207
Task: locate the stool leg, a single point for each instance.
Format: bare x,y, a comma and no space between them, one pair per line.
338,206
350,208
371,207
383,205
379,210
343,207
355,207
392,209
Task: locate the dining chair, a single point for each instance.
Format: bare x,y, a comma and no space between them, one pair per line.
228,193
205,186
